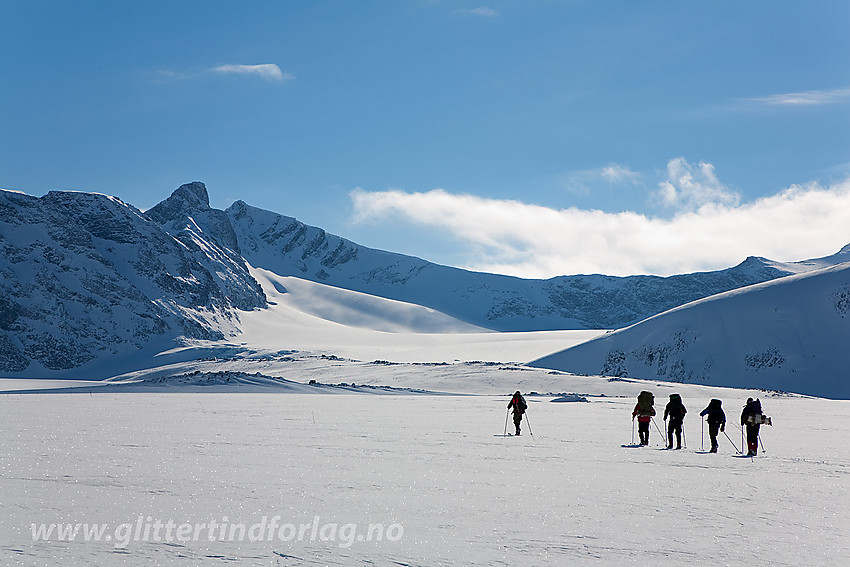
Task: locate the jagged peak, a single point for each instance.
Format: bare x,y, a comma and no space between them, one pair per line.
240,209
194,194
186,199
239,206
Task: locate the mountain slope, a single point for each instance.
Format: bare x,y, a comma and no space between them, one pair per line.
84,276
288,247
790,334
187,216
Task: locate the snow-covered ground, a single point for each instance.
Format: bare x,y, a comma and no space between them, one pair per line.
431,475
306,316
208,450
787,334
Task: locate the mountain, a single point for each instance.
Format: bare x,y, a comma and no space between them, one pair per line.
287,247
789,334
87,277
84,276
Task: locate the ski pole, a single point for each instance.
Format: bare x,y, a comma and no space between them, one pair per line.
684,439
657,428
762,444
506,421
702,435
730,440
528,423
633,430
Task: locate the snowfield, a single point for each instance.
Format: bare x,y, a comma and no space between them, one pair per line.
224,452
433,472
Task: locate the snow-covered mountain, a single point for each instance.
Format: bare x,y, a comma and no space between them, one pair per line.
789,334
84,276
288,247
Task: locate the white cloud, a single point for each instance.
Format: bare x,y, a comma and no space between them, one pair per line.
611,174
616,173
482,11
806,98
521,239
267,71
689,187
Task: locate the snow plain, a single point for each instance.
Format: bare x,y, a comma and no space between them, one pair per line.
233,433
576,493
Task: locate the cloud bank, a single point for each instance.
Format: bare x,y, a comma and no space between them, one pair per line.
267,71
712,229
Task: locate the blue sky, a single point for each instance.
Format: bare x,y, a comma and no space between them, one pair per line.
528,137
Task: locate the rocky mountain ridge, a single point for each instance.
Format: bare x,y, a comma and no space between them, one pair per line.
85,276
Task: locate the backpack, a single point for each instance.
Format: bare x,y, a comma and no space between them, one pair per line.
676,407
756,417
518,404
645,401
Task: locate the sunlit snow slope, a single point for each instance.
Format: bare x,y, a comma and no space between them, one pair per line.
307,316
790,334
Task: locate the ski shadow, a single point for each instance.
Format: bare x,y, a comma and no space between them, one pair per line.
744,456
505,435
703,452
633,446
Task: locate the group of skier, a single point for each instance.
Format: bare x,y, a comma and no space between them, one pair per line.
674,415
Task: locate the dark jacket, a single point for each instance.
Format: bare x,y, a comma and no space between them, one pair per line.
675,409
518,404
715,413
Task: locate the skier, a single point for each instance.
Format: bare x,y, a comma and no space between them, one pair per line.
519,406
676,411
644,412
752,418
716,421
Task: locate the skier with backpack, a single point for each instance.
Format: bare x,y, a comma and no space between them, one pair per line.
519,406
676,411
644,412
716,421
752,417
